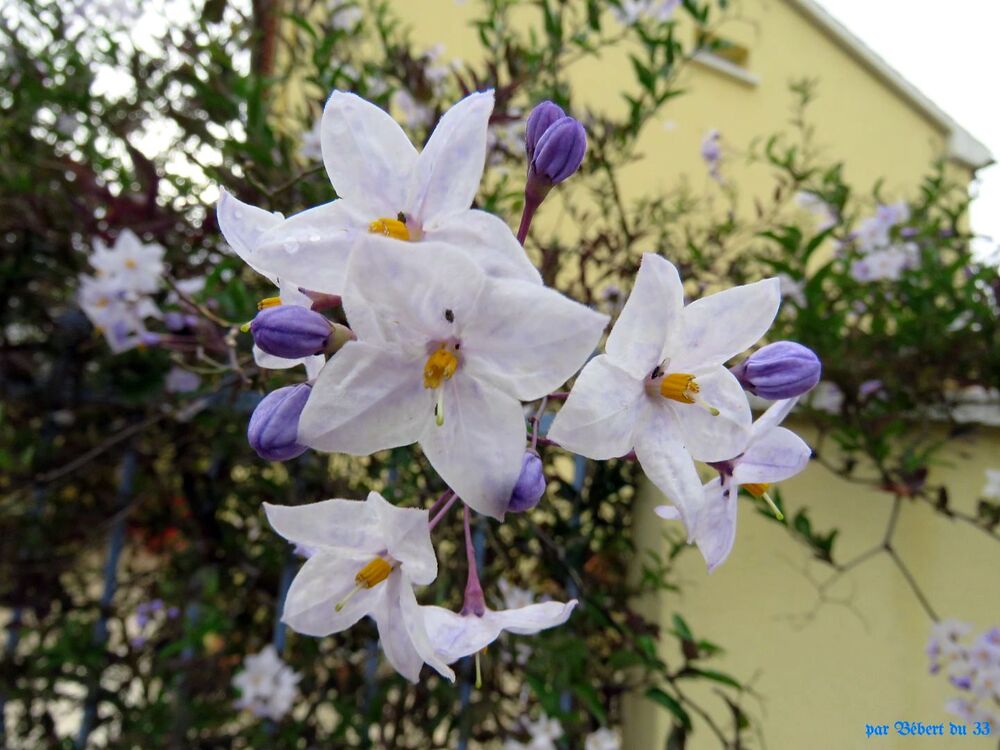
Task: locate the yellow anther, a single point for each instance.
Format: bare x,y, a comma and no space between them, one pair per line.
373,573
679,386
394,228
682,387
479,670
760,490
440,366
131,264
268,302
102,302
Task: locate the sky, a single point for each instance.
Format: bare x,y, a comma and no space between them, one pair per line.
949,52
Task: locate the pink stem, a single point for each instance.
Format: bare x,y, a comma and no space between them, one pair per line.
447,506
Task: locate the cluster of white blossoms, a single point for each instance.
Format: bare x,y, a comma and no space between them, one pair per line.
450,334
884,257
117,298
266,684
631,12
972,667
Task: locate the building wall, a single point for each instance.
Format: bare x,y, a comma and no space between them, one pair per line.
825,670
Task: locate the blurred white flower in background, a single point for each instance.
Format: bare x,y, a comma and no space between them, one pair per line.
267,685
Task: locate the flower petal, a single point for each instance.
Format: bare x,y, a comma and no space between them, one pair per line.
351,526
407,538
721,437
408,289
718,327
478,449
267,361
649,319
403,634
367,155
772,417
366,399
776,456
532,618
325,580
667,464
488,241
528,339
242,225
598,419
311,249
716,529
448,170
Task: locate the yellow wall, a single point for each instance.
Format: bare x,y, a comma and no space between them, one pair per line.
857,116
825,672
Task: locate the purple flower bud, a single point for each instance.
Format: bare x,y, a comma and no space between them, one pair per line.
150,339
559,152
543,115
290,331
530,484
780,370
174,321
274,424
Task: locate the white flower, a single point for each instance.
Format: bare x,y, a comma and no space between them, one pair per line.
346,15
180,380
826,396
544,732
772,455
632,11
115,313
388,193
444,357
991,490
135,266
414,115
792,289
267,685
514,596
711,153
309,148
456,635
886,263
366,558
243,225
603,739
661,386
824,212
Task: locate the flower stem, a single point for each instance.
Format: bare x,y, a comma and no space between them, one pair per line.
531,205
475,602
441,514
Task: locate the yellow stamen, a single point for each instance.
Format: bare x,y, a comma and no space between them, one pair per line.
372,574
268,302
682,387
760,490
394,228
439,408
440,366
479,671
131,264
245,328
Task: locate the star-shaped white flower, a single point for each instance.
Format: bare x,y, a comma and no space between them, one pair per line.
242,230
773,455
116,313
455,635
603,739
390,192
444,357
134,265
267,685
661,387
366,558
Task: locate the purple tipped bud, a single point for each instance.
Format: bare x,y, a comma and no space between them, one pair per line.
559,152
780,370
174,321
541,117
150,339
530,484
274,424
290,331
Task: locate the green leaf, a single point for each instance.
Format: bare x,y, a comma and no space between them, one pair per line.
671,704
711,674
